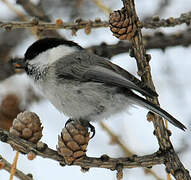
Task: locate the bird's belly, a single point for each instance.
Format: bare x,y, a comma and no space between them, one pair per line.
89,101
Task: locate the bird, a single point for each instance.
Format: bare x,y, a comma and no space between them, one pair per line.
84,86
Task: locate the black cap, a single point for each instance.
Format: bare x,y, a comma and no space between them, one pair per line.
45,44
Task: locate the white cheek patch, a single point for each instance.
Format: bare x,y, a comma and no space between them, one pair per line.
51,55
58,52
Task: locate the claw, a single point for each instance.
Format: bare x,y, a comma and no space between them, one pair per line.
68,121
88,125
92,129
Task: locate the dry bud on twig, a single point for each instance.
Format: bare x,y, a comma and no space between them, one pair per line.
150,116
59,22
88,28
31,155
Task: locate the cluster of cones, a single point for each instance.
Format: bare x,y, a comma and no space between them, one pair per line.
72,143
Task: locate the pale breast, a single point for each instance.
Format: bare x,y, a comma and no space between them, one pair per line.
86,100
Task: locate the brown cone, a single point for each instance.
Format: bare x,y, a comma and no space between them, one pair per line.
27,125
121,25
10,106
72,143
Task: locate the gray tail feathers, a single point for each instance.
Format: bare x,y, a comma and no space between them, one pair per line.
156,109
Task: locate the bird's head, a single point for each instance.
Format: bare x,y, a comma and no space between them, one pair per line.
43,53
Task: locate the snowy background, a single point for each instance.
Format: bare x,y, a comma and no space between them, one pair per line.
171,75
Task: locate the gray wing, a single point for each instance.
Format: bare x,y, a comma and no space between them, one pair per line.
83,66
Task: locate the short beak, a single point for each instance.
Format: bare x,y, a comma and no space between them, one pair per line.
18,63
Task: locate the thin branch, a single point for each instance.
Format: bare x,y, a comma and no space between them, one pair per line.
14,166
173,164
88,162
126,150
15,10
53,26
150,172
19,14
34,10
163,4
153,24
116,140
8,41
169,22
156,41
38,12
18,173
102,6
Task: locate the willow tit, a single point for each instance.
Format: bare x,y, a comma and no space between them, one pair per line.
84,86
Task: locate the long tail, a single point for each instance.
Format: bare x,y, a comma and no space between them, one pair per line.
156,109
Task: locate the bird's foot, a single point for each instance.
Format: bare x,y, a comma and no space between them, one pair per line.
85,124
88,125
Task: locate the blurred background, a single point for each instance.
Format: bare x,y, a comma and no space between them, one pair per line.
170,71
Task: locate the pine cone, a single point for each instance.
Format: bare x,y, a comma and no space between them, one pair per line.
10,106
121,25
27,125
73,142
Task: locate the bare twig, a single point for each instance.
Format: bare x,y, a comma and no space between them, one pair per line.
88,162
156,41
102,6
38,12
34,10
162,5
150,172
53,26
126,150
11,39
15,10
170,22
173,164
8,41
18,173
14,166
119,173
116,140
19,14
